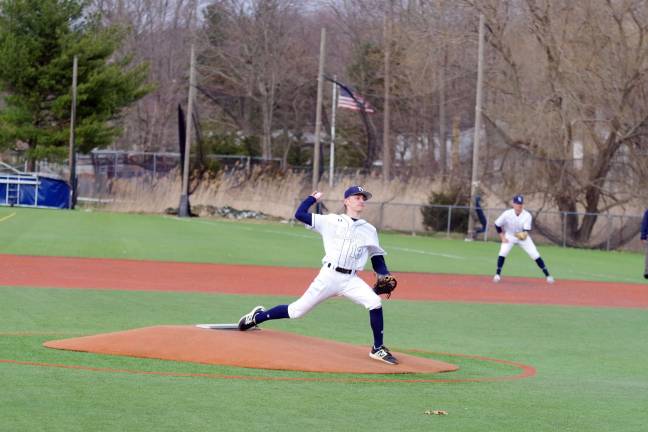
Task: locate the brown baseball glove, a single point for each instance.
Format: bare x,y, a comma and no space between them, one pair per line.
385,284
522,235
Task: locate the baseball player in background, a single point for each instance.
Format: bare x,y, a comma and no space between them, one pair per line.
513,227
644,239
348,243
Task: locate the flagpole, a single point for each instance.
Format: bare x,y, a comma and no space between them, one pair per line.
333,112
318,111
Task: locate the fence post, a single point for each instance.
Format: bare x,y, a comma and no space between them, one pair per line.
449,220
609,231
413,219
154,165
563,217
380,216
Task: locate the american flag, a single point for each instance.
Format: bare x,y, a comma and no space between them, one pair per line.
353,101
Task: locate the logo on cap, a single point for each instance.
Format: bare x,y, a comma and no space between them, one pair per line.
518,199
357,190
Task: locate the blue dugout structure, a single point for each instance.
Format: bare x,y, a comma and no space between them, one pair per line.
33,190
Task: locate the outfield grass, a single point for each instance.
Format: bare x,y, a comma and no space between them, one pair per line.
111,235
591,373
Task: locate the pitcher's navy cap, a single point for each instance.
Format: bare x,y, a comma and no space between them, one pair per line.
518,199
357,190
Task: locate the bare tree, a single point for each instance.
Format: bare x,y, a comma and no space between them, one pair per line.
251,52
571,73
159,32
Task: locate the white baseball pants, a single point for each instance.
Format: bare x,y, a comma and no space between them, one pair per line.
329,283
528,246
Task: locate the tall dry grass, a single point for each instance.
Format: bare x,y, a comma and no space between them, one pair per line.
275,195
395,205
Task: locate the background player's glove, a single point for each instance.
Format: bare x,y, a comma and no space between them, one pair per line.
385,284
522,235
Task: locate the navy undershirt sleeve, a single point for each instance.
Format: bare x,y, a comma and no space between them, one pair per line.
378,264
302,213
499,229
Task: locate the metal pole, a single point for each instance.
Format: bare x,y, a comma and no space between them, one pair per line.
609,232
183,210
72,150
474,183
318,112
413,207
387,155
443,145
333,113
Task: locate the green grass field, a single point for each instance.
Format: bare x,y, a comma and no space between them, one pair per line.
590,362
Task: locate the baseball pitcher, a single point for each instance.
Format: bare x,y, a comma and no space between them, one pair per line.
349,242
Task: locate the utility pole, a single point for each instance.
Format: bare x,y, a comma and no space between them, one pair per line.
183,210
333,113
443,149
72,149
387,155
474,183
318,112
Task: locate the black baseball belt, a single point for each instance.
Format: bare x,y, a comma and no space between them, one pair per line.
339,269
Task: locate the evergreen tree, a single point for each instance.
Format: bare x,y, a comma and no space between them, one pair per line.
38,41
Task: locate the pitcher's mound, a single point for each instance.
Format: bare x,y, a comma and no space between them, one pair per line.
265,349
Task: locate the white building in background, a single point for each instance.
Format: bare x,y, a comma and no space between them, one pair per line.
408,145
578,154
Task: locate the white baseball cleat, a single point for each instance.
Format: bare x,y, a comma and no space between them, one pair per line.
497,278
550,279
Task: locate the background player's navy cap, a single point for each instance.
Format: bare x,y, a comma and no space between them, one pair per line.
518,199
357,190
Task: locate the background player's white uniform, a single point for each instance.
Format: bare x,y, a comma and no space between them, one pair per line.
512,223
348,244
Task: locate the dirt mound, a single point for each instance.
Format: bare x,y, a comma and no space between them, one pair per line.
259,349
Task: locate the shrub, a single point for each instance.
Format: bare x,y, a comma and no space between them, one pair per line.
436,218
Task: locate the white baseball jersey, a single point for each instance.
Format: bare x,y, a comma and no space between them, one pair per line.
347,243
512,223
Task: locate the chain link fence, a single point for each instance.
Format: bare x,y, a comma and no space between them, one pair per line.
452,221
97,169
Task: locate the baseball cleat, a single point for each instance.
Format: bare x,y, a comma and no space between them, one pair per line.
382,354
496,278
247,321
550,279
